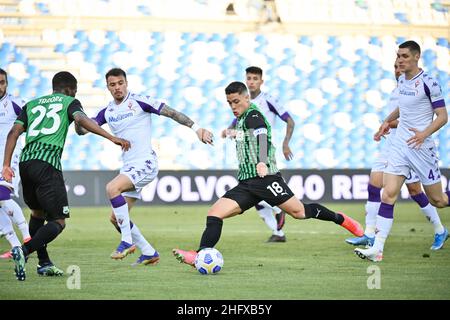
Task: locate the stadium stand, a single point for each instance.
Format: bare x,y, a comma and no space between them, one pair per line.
335,82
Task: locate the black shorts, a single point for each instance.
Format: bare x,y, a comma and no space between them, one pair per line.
272,189
44,189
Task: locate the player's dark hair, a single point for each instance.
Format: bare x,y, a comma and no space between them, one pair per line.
254,70
115,72
63,80
5,74
411,45
236,87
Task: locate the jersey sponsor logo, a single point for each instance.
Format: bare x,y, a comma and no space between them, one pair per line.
120,117
407,92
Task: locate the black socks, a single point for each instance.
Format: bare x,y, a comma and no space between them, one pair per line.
317,211
211,235
42,236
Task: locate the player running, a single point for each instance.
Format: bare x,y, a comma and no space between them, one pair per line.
46,121
420,99
129,116
412,183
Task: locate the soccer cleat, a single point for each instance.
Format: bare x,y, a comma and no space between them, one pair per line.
361,241
183,256
280,217
147,260
369,254
123,249
19,261
49,270
352,225
439,240
275,238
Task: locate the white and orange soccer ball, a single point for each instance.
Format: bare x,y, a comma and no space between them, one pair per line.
209,261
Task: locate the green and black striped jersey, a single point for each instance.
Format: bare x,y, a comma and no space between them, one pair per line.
249,127
46,121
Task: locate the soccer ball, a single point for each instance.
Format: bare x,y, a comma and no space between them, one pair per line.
209,261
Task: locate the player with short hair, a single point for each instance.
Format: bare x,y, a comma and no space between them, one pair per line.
420,98
412,183
129,116
272,109
46,122
10,108
259,178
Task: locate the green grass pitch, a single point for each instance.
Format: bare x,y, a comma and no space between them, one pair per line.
315,262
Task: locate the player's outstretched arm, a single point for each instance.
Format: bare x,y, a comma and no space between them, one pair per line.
11,140
203,135
290,124
91,126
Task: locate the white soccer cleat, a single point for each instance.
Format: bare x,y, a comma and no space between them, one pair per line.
369,254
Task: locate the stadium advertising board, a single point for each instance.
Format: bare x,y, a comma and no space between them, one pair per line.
87,188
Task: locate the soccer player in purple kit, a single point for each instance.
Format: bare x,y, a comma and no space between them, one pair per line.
129,116
10,211
412,183
420,99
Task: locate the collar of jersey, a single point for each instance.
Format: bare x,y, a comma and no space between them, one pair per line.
252,107
416,76
4,97
123,101
260,94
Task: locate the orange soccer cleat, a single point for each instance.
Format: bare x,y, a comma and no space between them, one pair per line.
352,225
183,256
6,255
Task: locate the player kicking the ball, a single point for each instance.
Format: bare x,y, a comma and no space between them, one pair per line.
259,178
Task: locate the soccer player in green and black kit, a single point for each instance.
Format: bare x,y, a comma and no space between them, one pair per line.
46,121
259,178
